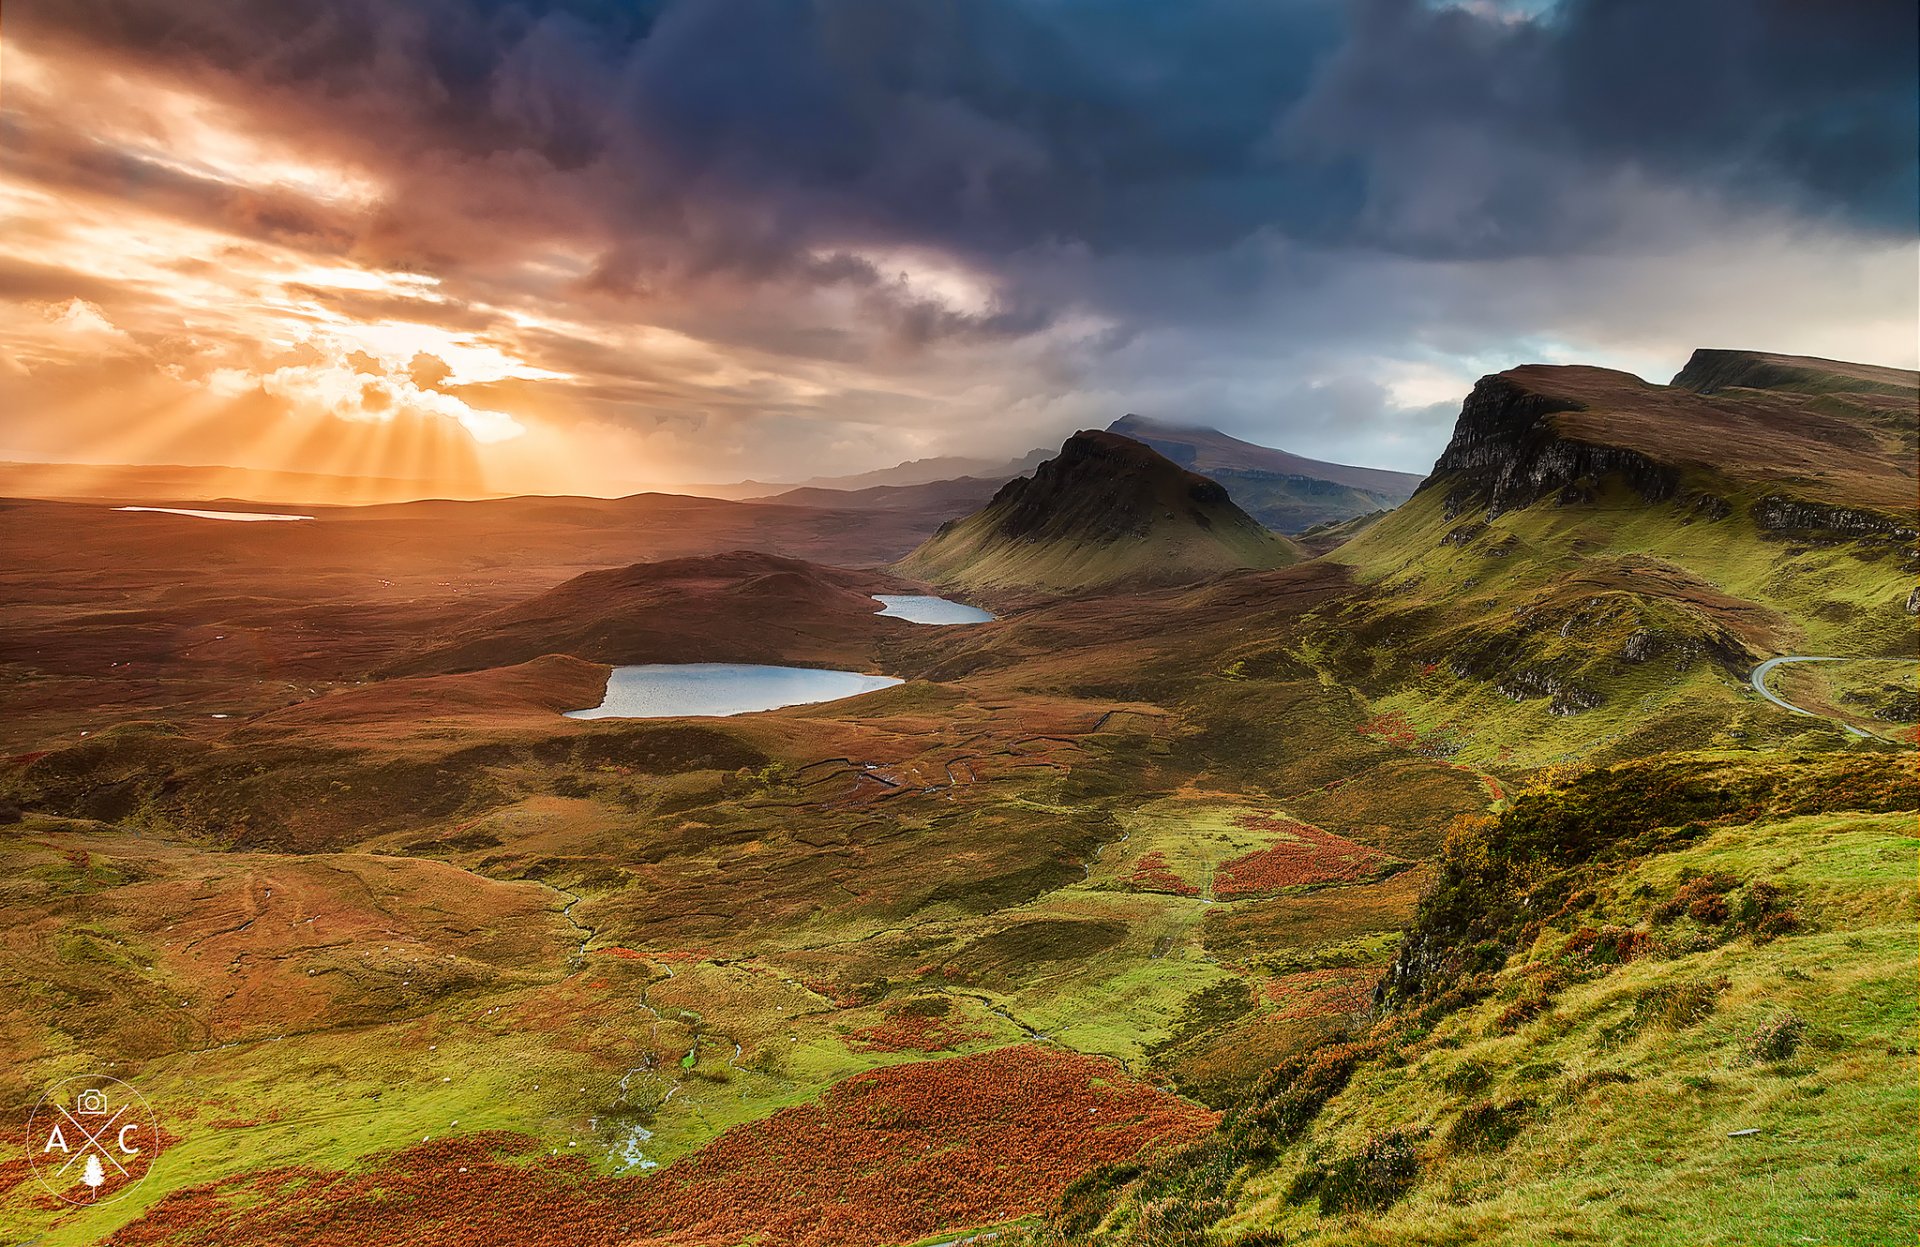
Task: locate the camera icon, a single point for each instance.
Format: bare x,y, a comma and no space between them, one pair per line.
92,1101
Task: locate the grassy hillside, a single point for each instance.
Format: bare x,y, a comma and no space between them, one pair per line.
1664,994
1546,599
1669,1003
1552,634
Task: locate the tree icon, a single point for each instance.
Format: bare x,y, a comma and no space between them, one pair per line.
93,1176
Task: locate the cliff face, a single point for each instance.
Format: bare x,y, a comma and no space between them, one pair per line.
1787,515
1507,452
1807,447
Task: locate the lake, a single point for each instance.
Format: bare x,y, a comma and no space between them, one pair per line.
921,609
671,690
243,516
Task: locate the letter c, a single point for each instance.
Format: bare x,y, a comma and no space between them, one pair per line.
124,1131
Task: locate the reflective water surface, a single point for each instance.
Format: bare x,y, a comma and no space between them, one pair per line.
922,609
669,690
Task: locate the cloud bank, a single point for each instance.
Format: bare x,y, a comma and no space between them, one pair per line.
585,241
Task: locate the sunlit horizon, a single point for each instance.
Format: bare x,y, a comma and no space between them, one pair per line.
213,261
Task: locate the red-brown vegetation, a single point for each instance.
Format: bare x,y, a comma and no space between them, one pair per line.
1322,993
1392,728
907,1030
1305,855
1610,945
1152,873
890,1156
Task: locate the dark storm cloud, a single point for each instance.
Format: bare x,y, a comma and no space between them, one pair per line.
751,129
1237,210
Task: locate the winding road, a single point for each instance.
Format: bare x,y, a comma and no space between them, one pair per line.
1759,681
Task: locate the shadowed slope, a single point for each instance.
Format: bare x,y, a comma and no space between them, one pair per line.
1105,511
1288,493
738,607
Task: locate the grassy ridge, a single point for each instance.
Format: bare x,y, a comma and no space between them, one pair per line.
1554,634
1613,979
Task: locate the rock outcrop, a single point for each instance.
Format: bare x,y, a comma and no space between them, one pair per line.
1812,448
1508,452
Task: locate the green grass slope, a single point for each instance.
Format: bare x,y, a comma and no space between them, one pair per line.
1671,1003
1546,598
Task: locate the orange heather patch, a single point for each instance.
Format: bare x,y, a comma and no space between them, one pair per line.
1391,727
1152,873
889,1156
911,1032
13,1171
1305,855
896,1154
838,996
1321,993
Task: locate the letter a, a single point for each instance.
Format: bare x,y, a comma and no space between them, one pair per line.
56,1139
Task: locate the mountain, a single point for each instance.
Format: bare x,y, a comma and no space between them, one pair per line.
1106,510
957,496
1621,553
936,470
1286,492
1799,444
940,468
738,607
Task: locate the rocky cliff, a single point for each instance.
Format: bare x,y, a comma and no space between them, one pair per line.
1806,447
1507,451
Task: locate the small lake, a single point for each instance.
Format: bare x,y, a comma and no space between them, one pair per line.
243,516
671,690
921,609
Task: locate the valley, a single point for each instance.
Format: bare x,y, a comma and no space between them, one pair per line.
1156,878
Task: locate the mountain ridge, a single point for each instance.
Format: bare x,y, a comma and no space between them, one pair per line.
1106,510
1287,492
1834,458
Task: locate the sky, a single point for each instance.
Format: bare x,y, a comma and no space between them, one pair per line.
583,245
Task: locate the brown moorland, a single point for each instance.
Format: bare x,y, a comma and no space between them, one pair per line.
883,1158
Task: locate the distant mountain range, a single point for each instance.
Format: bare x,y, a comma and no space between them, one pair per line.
1285,492
1288,493
938,470
1106,511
